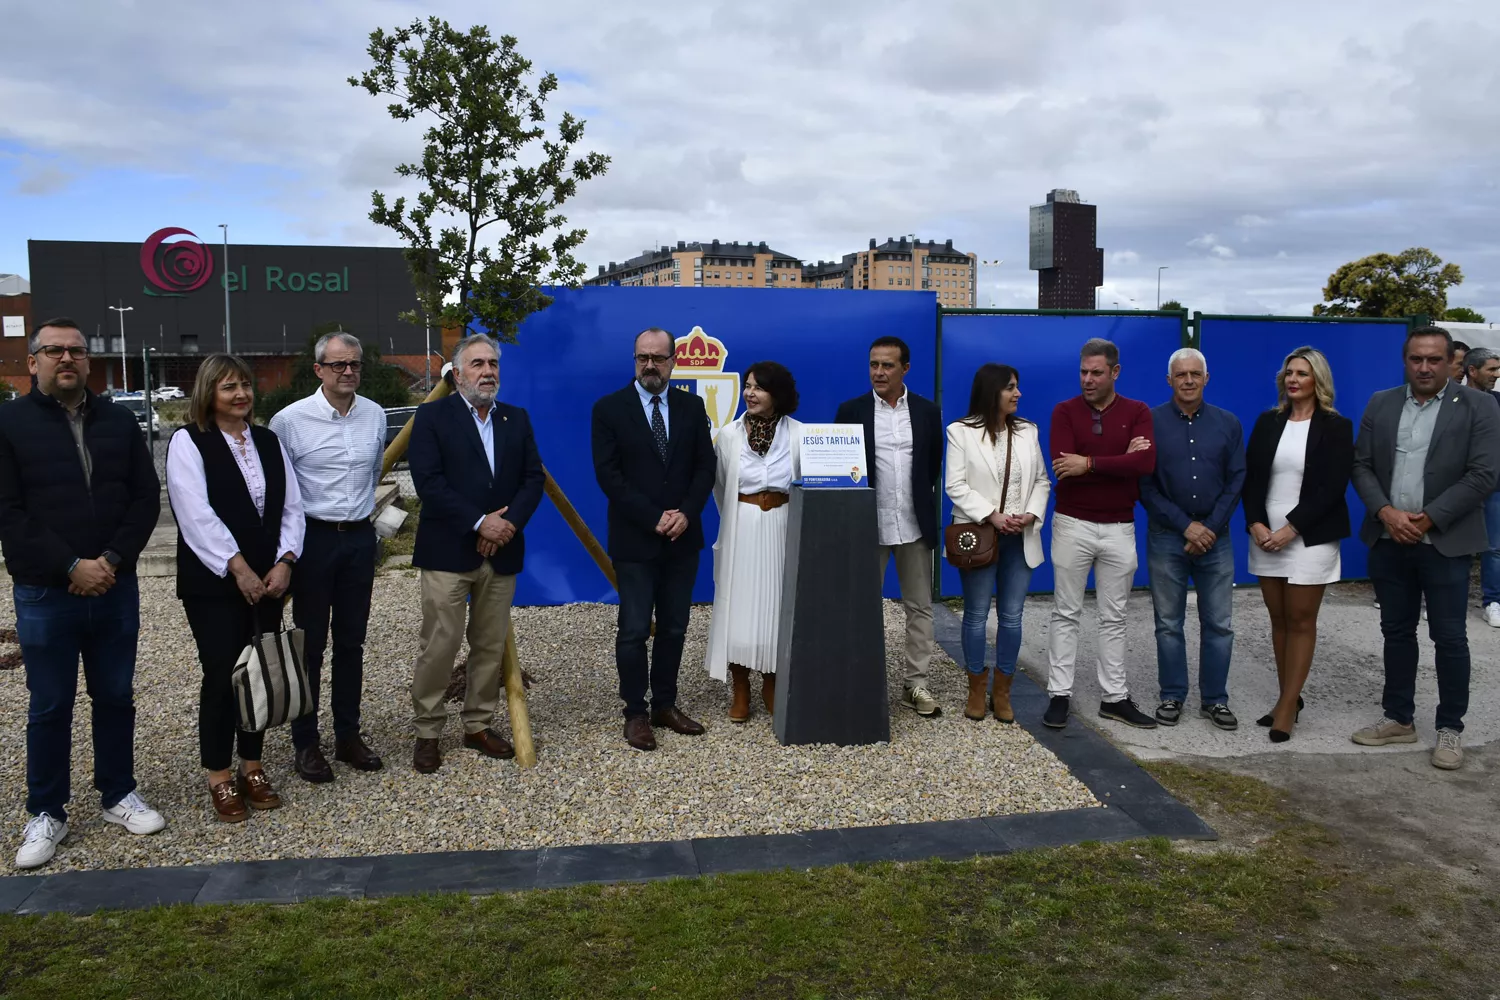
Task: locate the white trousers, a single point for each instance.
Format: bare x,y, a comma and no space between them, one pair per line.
1109,550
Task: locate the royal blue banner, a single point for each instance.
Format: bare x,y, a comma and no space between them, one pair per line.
1244,357
579,349
1044,349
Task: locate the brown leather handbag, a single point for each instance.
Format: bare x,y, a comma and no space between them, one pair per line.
975,546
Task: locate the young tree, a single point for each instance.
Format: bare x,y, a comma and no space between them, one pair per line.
1172,304
479,168
1414,282
1463,314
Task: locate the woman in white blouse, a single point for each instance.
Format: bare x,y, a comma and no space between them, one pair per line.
758,459
239,532
997,475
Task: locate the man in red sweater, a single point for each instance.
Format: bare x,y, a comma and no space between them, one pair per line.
1101,446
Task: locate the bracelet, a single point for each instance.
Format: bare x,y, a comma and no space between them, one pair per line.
288,560
73,565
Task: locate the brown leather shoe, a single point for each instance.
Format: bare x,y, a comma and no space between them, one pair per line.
1001,699
974,707
768,692
257,790
312,765
638,733
426,758
490,743
356,754
674,719
228,806
739,703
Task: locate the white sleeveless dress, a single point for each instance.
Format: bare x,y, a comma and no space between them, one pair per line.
1297,562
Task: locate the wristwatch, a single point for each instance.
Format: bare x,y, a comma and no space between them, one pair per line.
112,557
289,560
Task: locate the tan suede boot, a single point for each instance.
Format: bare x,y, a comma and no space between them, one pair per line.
739,705
1001,700
768,692
974,707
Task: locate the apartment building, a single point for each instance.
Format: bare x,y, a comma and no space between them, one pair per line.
705,265
903,265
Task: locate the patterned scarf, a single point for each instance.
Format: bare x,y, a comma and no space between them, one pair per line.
760,431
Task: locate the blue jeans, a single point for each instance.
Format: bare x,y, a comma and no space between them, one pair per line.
55,628
1489,561
1212,575
1402,575
1006,579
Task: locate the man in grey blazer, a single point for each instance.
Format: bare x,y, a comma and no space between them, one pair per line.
1426,459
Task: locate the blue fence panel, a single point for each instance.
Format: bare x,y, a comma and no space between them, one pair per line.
1044,349
579,349
1244,356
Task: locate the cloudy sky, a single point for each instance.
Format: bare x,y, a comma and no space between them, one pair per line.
1251,153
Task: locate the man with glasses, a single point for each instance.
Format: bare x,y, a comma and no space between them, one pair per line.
335,440
654,460
1101,446
79,497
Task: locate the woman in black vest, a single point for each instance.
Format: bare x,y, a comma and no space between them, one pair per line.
239,532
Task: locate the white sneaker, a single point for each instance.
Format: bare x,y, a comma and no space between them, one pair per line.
133,814
43,834
1492,614
1449,752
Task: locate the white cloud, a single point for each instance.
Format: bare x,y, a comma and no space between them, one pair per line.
1124,257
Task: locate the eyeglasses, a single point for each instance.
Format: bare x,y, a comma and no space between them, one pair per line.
1098,422
55,351
342,366
653,359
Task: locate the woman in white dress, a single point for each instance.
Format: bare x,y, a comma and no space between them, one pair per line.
758,459
1297,467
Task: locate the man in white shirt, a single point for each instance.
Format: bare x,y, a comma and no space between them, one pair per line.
904,456
335,440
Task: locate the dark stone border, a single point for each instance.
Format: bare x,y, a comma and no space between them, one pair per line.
1136,806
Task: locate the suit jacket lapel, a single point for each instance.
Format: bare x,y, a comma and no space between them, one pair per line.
471,429
1315,435
987,449
1447,407
869,422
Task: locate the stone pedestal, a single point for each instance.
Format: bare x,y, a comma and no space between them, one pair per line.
830,657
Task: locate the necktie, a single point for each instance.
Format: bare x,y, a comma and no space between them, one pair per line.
658,427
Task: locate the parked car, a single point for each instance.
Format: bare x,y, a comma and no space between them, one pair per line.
167,392
395,419
135,404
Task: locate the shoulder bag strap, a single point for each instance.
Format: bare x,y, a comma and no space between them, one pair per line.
1010,446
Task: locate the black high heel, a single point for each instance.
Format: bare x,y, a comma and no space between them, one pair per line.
1268,719
1278,736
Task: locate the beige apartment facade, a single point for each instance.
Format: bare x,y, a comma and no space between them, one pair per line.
714,264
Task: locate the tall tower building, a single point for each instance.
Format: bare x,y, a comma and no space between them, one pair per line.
1068,265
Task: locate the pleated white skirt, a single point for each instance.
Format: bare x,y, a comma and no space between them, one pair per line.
753,612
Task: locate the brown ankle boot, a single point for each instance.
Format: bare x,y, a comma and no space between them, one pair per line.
974,707
1001,700
739,705
768,692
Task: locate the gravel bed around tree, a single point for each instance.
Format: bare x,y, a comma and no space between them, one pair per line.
588,787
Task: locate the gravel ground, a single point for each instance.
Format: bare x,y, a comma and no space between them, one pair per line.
588,787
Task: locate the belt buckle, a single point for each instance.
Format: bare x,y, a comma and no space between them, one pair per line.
342,526
765,502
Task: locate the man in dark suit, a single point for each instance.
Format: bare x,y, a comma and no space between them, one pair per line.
476,469
654,459
1482,369
1426,460
904,458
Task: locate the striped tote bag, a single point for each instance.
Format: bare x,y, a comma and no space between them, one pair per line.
270,681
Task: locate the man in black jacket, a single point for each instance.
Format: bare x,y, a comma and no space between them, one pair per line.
904,453
476,469
654,459
79,496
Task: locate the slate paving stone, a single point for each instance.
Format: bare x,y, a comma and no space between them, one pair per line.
813,849
287,881
121,889
1070,826
474,872
15,888
949,840
561,866
1169,819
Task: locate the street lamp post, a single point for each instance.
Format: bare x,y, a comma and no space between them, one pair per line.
122,309
988,263
1159,270
228,349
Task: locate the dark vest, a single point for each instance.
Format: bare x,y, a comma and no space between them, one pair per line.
257,536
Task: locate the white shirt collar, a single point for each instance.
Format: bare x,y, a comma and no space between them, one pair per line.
646,396
474,410
899,403
330,409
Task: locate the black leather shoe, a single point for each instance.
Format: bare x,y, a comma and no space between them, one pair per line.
1057,712
312,765
356,754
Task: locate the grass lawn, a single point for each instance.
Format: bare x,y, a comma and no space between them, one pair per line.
1275,911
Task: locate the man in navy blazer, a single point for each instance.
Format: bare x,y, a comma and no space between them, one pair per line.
904,456
654,460
476,470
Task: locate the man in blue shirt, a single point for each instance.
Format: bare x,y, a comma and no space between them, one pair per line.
1200,469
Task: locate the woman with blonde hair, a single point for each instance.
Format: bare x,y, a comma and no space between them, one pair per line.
758,459
239,532
1297,468
997,476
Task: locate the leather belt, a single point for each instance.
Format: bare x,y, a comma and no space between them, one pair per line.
766,499
313,522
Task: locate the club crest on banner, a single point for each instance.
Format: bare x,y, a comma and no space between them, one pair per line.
700,369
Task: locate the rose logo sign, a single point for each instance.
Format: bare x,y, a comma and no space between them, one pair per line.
177,267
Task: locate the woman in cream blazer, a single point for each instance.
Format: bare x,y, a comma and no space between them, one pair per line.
977,449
